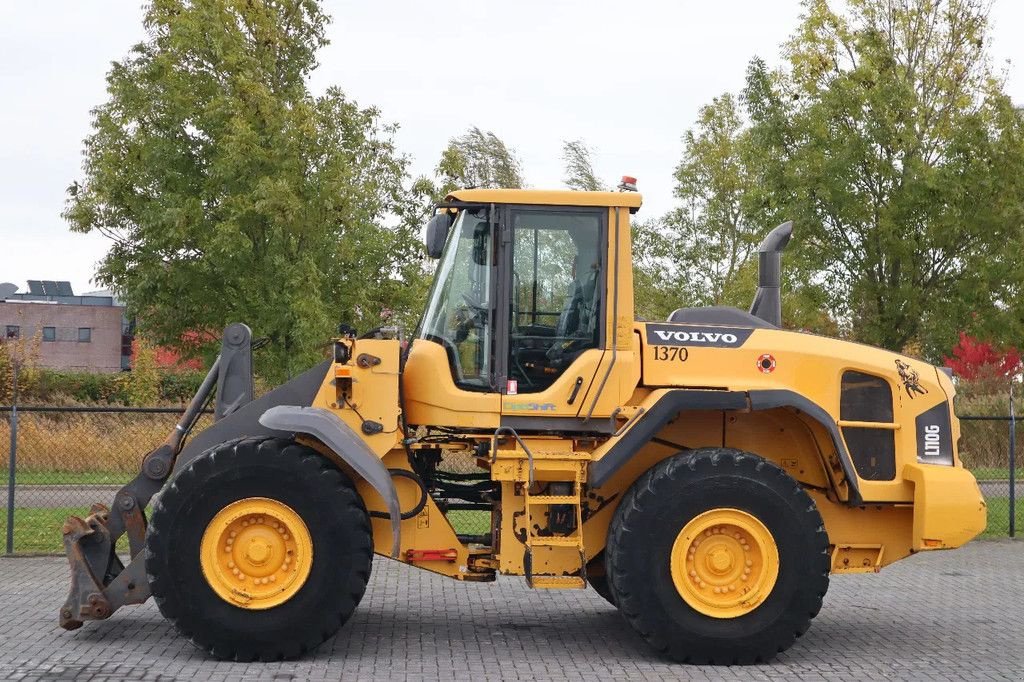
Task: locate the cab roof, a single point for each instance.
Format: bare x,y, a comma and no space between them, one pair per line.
544,197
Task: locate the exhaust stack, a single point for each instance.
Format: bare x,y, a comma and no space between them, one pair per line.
768,302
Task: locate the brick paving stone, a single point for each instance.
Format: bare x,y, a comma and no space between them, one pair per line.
937,616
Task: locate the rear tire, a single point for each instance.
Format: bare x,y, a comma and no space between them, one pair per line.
597,577
284,473
648,571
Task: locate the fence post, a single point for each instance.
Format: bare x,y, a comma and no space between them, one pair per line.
1013,464
13,460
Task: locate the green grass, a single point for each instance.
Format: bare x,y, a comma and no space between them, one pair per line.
999,517
470,521
57,477
39,530
995,473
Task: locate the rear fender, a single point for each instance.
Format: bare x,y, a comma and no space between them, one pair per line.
330,430
671,403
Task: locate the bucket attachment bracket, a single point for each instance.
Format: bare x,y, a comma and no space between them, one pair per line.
100,582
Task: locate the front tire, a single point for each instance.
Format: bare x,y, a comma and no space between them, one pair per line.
752,588
300,565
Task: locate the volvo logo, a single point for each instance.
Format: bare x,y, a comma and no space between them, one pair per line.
696,337
693,335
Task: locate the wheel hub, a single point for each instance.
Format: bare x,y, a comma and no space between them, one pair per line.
724,563
256,553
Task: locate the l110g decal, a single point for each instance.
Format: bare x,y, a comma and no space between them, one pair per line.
696,335
934,436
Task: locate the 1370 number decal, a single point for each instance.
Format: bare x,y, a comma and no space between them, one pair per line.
677,353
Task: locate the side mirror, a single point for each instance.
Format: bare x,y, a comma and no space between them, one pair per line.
437,234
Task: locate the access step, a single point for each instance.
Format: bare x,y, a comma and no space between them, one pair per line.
554,499
555,541
558,582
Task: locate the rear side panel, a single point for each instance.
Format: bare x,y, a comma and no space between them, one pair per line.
765,361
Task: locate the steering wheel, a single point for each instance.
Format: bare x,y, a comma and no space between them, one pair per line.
467,316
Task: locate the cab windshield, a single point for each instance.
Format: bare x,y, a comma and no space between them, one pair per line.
460,302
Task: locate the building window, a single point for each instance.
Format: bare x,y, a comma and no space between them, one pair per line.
13,331
49,333
85,334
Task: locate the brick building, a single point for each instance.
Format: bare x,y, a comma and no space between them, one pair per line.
87,333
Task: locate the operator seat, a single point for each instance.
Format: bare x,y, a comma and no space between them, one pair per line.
577,322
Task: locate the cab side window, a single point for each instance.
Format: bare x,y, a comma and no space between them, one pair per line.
557,289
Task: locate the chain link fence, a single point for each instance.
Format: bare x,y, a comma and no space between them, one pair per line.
990,446
67,458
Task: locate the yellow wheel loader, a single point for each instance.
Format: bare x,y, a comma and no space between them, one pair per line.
704,474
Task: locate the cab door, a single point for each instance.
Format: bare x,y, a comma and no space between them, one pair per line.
554,342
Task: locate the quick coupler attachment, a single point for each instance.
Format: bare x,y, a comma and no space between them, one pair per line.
100,584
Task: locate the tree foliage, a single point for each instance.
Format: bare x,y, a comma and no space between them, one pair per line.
704,251
479,158
700,248
579,167
889,141
232,194
974,359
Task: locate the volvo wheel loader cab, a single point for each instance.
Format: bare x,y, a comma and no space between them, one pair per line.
704,474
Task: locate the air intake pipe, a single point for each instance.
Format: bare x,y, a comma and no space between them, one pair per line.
768,302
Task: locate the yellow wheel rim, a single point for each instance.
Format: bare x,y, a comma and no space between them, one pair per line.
724,563
256,553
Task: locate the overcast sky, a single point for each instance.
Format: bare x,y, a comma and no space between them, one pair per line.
626,77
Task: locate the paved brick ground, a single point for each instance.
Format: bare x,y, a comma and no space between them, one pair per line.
950,615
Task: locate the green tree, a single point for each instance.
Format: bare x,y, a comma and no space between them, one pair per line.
478,158
142,384
579,167
231,193
709,238
890,142
704,251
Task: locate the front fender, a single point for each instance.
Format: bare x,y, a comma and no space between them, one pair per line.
330,430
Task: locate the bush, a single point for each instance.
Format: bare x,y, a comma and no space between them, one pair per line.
60,387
